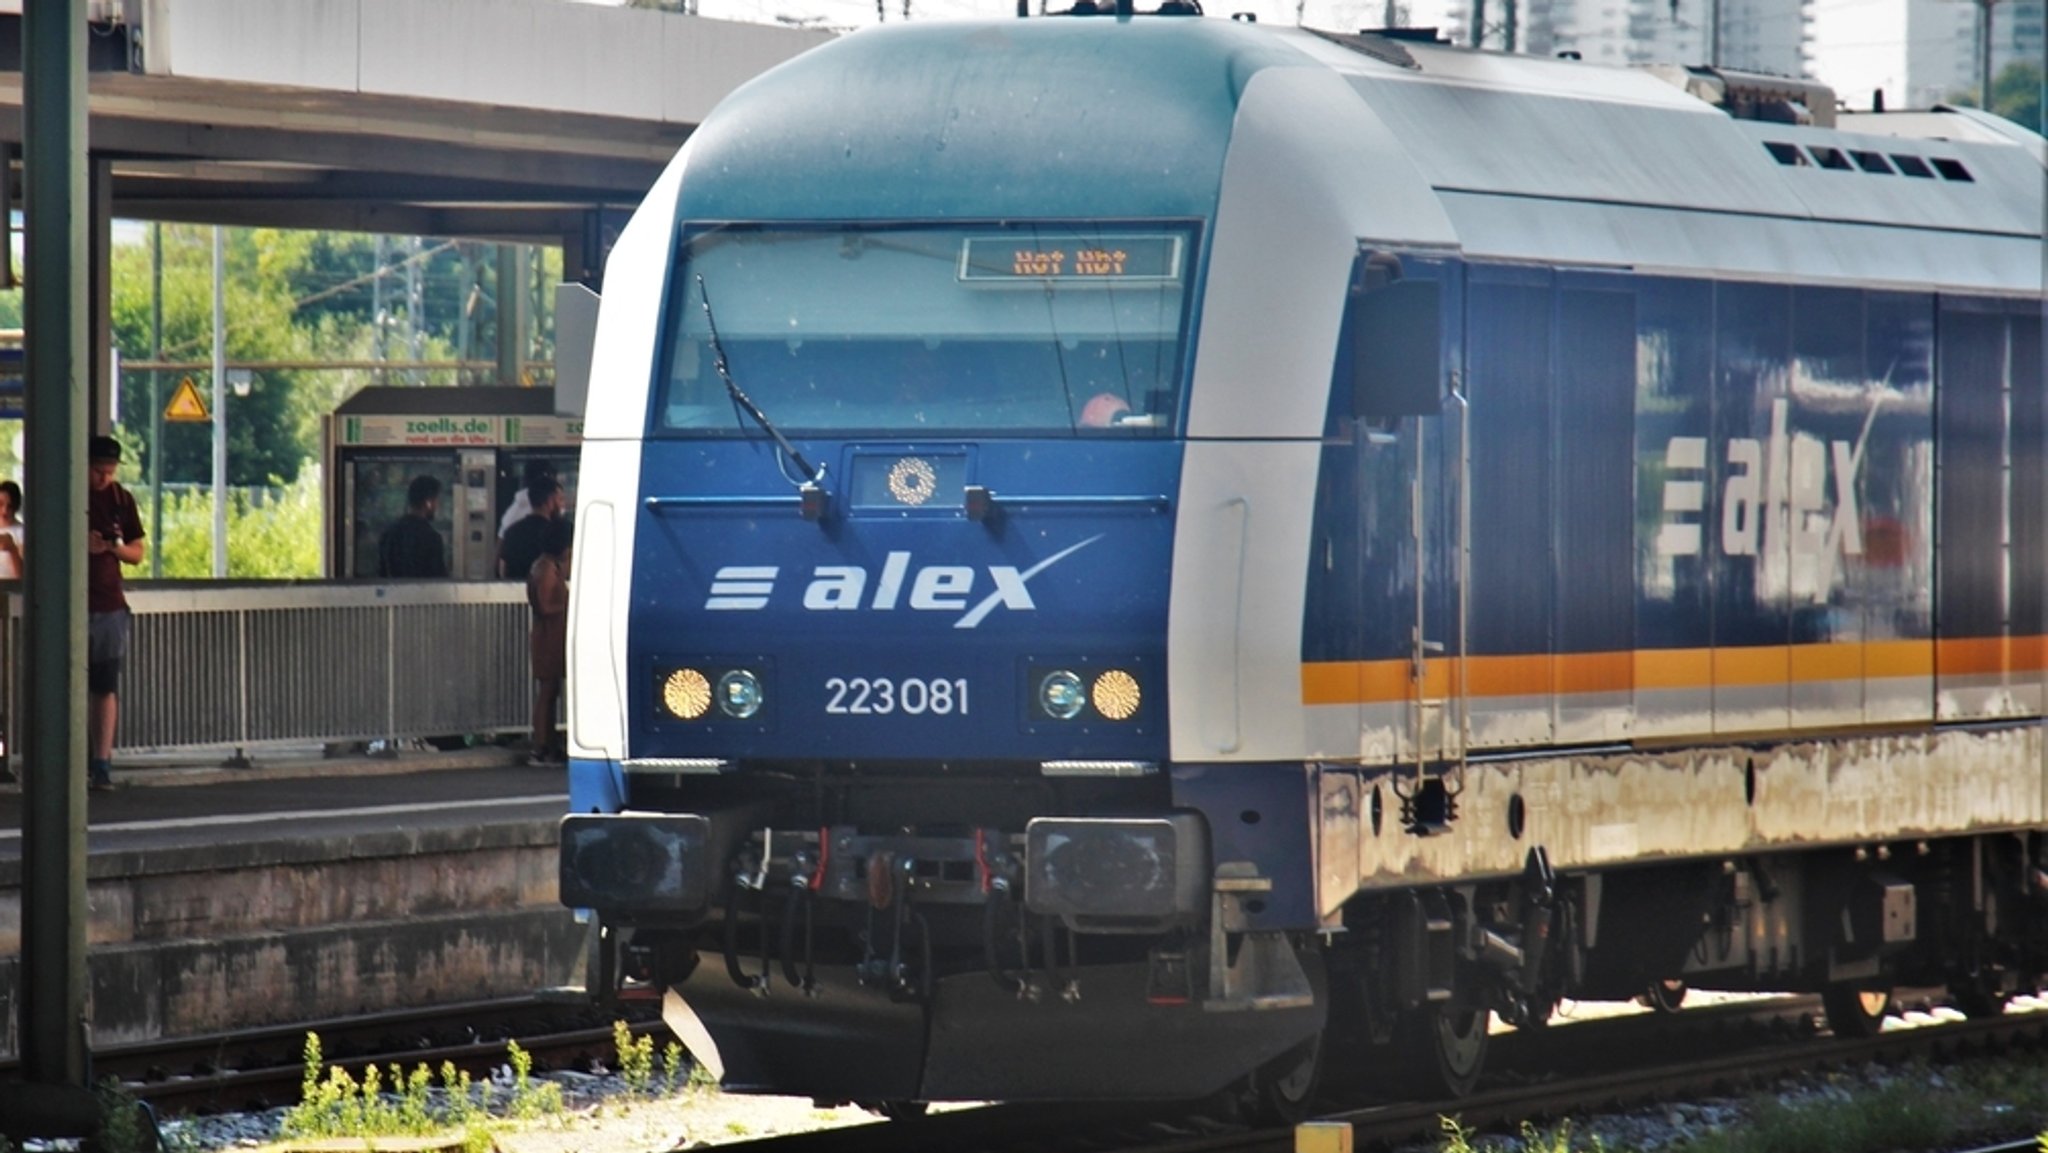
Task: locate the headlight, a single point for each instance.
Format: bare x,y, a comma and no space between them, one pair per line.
1116,695
686,694
1061,696
739,694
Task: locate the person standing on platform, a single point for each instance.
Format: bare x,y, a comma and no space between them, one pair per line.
521,545
12,535
113,538
522,503
412,547
547,593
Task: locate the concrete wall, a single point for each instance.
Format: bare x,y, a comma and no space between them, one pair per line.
548,54
215,937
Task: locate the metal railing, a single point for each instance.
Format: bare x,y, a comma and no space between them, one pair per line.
247,663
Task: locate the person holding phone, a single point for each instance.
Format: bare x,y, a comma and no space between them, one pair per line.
113,538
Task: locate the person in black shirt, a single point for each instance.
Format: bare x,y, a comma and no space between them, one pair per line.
412,546
523,541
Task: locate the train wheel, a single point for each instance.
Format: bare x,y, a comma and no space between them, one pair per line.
1855,1010
1445,1048
1664,996
1281,1091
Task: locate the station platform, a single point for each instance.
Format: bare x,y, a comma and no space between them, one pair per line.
308,887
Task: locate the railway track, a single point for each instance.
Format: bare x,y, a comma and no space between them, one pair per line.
1712,1050
263,1068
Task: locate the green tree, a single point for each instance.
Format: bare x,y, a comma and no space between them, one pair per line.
458,289
265,443
2015,95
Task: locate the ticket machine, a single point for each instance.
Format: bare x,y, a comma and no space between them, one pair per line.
476,441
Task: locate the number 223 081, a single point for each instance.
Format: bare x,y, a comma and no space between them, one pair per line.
883,696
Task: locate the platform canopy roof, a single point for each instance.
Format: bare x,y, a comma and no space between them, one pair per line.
505,119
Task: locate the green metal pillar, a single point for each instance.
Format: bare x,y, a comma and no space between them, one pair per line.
53,973
512,316
156,401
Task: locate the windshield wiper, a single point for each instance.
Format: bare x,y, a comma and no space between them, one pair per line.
746,403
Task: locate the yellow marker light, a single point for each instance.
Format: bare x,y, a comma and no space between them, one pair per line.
686,694
1116,695
1322,1137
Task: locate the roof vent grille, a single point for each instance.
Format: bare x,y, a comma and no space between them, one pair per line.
1754,95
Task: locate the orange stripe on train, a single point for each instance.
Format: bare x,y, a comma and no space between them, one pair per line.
1387,681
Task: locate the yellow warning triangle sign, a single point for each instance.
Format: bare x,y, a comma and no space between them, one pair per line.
186,403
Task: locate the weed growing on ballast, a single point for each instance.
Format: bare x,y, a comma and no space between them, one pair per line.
1958,1104
531,1099
1461,1138
1881,1109
702,1079
389,1102
636,1059
672,1069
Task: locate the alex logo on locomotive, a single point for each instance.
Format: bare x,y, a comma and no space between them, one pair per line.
844,588
1773,505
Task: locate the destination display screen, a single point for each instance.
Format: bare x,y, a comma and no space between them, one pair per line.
1152,259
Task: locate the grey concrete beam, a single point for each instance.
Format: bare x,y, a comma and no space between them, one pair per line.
510,223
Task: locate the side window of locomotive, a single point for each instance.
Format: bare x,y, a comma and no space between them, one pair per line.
1392,339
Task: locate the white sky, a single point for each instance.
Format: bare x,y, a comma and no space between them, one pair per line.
1857,43
860,13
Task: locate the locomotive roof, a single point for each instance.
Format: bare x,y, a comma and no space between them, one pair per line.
1027,118
1532,158
1558,138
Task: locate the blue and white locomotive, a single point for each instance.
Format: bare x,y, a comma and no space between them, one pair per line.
1113,550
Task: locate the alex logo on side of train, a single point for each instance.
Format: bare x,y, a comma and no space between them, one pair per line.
1774,504
932,588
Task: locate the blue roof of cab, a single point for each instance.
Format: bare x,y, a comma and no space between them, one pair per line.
1046,118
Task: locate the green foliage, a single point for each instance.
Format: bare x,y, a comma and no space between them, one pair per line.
1961,1104
1557,1140
2015,95
1864,1123
672,1067
124,1128
277,539
530,1099
260,313
292,297
1460,1138
334,1104
636,1059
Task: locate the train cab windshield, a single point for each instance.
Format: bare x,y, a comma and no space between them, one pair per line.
990,329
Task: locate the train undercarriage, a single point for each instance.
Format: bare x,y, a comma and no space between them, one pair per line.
979,935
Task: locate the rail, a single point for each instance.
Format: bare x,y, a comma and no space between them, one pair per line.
244,663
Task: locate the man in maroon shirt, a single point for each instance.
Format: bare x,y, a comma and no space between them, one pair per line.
113,537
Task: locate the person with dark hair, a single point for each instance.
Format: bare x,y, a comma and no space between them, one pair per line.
522,501
12,535
521,545
412,547
113,538
547,593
